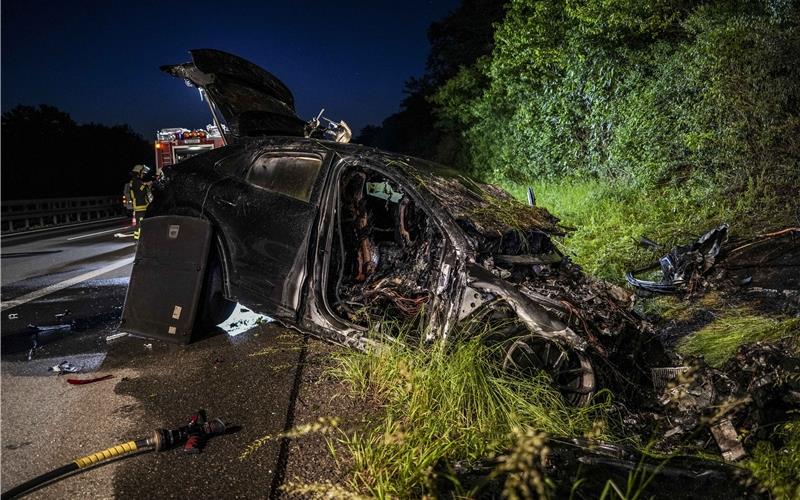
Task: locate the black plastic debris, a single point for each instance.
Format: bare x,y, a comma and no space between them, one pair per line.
646,242
757,388
40,334
683,265
51,328
64,314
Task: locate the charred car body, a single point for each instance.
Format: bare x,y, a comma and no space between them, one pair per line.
330,238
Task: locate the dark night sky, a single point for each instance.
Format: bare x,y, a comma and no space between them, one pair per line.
99,61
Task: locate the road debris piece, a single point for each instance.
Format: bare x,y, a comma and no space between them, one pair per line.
34,346
115,336
64,367
64,314
84,381
683,265
13,316
728,441
664,375
51,328
242,320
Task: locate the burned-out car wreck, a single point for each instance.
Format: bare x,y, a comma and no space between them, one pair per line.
333,238
346,242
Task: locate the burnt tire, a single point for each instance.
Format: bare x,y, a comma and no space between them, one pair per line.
570,371
213,307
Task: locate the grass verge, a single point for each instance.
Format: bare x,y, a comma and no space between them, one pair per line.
609,218
718,341
446,402
778,468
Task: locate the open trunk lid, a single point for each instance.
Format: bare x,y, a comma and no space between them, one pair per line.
252,100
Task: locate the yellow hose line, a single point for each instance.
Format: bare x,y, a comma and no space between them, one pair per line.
114,451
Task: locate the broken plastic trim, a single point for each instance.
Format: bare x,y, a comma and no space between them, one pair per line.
683,264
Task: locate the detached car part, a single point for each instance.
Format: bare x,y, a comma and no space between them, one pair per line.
683,265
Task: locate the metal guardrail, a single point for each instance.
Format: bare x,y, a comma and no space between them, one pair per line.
24,215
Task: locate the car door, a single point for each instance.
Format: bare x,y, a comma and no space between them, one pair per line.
268,212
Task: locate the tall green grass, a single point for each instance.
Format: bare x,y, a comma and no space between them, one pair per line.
778,467
446,401
608,218
718,341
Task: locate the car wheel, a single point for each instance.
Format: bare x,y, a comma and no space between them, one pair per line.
213,307
570,370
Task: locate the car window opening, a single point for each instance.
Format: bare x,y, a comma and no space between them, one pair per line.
384,251
289,175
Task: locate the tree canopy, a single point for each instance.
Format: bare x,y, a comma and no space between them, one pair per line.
457,41
642,92
46,154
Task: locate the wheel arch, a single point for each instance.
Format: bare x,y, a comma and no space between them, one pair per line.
503,325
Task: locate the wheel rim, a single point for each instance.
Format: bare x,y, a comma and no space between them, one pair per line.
570,370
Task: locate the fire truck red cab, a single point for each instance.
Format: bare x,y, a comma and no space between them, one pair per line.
173,145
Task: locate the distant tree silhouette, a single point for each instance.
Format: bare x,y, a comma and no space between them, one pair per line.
45,154
457,41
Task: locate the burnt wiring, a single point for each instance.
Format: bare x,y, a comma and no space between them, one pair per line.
410,306
385,252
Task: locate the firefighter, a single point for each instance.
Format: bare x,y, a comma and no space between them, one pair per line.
140,195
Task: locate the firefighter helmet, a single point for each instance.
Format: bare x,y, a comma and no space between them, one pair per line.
140,169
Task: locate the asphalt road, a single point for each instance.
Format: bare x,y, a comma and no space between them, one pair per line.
75,277
62,296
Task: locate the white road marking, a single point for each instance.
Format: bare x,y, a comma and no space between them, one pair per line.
63,284
95,234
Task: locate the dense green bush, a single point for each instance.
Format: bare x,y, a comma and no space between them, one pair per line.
644,92
673,114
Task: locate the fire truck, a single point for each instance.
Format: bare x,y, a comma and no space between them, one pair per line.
173,145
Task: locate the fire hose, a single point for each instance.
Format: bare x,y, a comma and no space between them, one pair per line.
193,437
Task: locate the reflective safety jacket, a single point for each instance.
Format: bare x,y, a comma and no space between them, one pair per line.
140,194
